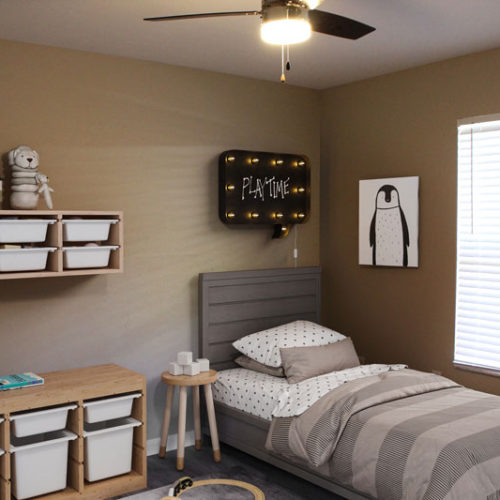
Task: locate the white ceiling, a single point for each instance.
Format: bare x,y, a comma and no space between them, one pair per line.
409,33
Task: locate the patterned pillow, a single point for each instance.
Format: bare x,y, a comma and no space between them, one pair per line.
265,346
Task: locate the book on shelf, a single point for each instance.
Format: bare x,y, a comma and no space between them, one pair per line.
20,380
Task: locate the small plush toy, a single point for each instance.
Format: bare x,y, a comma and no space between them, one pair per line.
26,182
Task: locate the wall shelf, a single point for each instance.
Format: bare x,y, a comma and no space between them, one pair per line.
55,262
75,386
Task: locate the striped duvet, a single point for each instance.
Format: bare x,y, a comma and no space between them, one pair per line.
400,435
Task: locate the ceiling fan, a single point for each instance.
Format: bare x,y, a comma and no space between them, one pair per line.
286,22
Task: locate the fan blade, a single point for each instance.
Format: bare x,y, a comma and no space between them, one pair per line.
333,24
201,16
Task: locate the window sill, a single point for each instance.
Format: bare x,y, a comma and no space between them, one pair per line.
477,369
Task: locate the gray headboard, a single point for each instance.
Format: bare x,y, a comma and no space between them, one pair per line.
234,304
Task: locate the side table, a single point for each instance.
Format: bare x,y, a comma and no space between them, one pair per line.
183,381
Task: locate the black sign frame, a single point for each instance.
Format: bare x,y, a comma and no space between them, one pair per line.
259,188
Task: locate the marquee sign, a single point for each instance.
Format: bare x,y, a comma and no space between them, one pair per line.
258,188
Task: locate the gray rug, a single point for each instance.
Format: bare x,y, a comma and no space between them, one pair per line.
208,492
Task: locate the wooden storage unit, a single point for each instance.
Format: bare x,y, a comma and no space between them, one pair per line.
55,239
76,386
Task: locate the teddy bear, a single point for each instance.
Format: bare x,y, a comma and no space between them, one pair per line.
26,182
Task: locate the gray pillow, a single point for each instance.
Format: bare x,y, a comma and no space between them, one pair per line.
251,364
301,363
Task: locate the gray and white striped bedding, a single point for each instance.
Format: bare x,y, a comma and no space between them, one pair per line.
400,435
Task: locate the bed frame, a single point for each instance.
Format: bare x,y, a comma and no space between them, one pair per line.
234,304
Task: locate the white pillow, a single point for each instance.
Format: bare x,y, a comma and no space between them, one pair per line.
264,346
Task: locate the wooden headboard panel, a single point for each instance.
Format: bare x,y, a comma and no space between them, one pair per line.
234,304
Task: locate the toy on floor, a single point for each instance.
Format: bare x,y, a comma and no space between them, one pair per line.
179,485
26,182
186,483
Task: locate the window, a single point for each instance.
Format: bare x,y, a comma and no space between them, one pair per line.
477,322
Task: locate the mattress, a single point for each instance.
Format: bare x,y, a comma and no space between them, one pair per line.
249,391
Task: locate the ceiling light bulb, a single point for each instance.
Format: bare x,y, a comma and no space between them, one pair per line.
312,4
285,31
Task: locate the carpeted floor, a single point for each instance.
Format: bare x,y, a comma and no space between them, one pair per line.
275,483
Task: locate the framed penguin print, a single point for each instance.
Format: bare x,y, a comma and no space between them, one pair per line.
388,222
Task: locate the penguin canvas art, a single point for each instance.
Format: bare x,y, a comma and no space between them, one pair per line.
389,236
388,222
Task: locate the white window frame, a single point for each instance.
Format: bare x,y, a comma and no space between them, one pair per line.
470,323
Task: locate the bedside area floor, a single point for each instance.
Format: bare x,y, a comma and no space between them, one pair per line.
275,483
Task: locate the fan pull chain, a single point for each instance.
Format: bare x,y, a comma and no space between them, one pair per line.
283,77
288,65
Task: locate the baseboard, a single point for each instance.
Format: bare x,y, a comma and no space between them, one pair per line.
153,445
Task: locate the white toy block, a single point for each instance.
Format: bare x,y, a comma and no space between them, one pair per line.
204,364
175,368
192,368
184,358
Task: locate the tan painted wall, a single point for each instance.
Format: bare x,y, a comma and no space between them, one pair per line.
398,125
115,133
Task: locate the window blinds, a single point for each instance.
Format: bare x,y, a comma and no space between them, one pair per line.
477,322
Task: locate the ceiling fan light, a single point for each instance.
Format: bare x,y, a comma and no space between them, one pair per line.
312,4
285,31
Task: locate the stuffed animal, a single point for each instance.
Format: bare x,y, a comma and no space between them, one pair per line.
26,182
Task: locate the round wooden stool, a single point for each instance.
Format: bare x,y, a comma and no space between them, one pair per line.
183,381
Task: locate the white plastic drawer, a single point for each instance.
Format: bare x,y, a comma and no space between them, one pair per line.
40,466
87,229
38,422
24,230
108,448
24,259
109,408
87,257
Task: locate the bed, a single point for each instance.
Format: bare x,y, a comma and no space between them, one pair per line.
235,304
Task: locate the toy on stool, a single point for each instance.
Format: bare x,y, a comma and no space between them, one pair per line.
186,366
26,182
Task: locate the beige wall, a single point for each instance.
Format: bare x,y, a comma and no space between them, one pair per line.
115,133
398,125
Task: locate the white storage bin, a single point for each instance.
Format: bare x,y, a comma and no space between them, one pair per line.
108,449
24,230
87,229
109,408
86,257
38,422
40,467
24,259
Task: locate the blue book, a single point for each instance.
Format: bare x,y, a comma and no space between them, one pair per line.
19,380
